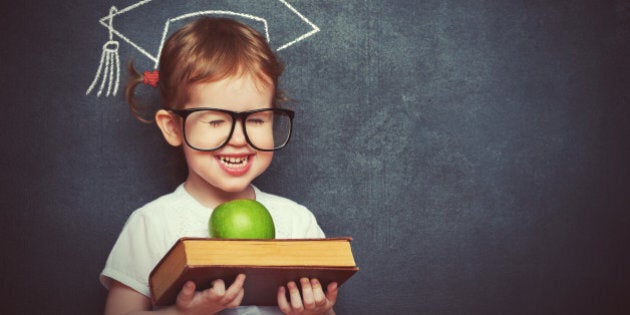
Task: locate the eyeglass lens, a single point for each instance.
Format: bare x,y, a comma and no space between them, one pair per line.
211,129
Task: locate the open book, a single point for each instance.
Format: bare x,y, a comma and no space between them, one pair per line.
268,264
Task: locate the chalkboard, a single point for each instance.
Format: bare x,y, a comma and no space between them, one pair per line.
476,151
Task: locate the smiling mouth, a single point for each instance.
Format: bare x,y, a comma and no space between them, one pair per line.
234,162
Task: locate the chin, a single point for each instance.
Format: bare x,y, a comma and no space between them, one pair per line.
235,188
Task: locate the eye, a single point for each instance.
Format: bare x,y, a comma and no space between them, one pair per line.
215,123
260,118
210,118
255,121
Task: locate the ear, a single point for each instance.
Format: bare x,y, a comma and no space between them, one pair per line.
170,126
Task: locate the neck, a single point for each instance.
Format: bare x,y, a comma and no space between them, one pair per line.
211,196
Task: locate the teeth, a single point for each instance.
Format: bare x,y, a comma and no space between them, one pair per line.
234,161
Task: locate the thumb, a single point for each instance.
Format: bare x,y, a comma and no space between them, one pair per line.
187,293
331,292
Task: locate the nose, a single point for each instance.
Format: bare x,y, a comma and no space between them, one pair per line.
238,136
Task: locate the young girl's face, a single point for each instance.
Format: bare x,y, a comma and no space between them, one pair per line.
232,168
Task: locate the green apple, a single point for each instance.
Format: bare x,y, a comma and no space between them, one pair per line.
241,218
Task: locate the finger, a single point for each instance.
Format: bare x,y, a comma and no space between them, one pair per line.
187,293
218,286
294,295
216,292
308,300
283,304
331,292
239,281
237,300
234,290
318,292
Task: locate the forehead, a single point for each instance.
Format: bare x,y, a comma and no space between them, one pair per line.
237,93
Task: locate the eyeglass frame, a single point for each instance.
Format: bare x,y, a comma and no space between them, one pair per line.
242,116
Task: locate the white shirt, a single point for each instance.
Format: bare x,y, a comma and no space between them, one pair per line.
154,228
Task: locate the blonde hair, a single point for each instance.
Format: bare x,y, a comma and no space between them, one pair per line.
208,50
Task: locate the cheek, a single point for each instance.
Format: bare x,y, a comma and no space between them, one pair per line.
264,158
194,158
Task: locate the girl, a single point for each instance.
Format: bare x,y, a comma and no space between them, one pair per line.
219,85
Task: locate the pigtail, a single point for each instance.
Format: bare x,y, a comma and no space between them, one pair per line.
139,110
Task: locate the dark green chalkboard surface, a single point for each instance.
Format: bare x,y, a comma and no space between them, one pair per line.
478,152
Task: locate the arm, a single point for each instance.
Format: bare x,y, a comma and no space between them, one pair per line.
125,300
122,300
312,301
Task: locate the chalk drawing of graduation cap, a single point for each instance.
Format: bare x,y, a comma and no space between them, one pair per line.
281,23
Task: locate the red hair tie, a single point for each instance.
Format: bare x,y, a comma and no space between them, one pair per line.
151,78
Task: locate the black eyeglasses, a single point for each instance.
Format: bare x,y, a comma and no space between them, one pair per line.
210,129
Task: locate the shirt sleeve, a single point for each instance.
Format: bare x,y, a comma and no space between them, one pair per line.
134,255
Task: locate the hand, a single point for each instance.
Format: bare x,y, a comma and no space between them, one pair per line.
212,300
312,301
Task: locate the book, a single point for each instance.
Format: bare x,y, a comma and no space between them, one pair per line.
268,264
